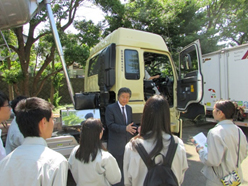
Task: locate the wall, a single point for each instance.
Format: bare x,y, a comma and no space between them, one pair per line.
77,85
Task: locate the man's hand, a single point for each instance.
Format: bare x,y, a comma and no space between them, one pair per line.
157,76
131,129
197,146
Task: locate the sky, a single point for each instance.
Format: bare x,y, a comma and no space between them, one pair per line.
86,11
89,11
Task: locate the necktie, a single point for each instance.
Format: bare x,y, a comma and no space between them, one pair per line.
124,115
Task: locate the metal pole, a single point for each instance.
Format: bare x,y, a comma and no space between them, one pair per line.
59,47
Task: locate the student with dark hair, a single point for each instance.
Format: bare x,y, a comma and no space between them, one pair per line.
33,163
5,111
5,108
155,135
121,128
14,137
226,144
89,163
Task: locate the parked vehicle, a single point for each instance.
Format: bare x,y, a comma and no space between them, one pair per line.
225,77
120,60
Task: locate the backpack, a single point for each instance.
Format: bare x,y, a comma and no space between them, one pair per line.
159,174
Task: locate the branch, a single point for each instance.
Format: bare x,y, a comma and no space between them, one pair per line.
21,51
43,67
41,35
47,61
242,38
235,41
71,16
14,48
44,80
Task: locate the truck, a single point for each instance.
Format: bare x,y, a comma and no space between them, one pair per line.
224,74
118,61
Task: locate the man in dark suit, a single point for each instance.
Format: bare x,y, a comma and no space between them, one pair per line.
120,126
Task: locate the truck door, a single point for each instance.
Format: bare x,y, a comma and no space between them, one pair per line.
190,81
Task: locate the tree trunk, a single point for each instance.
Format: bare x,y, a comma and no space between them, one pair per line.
11,92
52,91
10,87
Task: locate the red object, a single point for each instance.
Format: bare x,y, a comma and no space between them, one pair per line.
246,55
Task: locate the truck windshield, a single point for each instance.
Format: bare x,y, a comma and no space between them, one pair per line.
158,64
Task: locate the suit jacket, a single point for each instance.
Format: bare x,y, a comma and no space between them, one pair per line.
117,134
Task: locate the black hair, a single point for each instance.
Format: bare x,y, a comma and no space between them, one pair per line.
15,101
3,98
90,141
89,115
227,107
124,90
155,119
29,112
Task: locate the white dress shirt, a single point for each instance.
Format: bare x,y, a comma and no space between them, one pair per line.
125,111
103,171
135,169
14,137
33,164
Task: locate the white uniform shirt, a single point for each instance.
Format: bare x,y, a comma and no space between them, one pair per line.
135,169
33,164
103,171
147,76
222,144
2,149
14,137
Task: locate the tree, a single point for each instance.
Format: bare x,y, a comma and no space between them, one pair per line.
230,18
89,34
179,22
10,68
64,10
115,15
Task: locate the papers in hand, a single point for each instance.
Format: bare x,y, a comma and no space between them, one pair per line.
201,140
